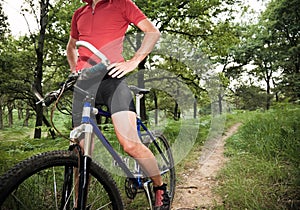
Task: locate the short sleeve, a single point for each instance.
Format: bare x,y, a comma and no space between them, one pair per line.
74,31
133,13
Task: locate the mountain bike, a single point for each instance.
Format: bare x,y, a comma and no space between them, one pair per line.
59,179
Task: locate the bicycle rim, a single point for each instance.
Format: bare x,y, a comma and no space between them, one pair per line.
37,184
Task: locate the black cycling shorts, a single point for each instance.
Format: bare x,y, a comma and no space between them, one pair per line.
115,94
111,92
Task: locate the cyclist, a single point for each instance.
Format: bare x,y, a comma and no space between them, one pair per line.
103,23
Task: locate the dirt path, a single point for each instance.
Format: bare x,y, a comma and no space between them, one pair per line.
194,190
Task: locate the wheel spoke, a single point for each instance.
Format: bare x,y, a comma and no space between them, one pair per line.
40,182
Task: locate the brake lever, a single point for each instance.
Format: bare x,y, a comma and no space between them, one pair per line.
38,95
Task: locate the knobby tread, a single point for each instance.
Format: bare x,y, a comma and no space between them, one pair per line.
21,171
160,137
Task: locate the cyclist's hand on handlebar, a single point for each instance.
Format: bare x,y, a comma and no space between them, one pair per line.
121,69
72,77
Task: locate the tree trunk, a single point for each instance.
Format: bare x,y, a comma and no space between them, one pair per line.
141,84
10,108
26,117
176,115
141,81
38,121
44,4
269,97
20,113
220,103
1,113
176,109
156,108
50,129
195,107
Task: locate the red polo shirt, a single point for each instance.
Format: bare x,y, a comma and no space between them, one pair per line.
104,27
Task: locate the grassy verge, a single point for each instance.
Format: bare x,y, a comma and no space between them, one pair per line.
264,167
263,171
16,144
15,150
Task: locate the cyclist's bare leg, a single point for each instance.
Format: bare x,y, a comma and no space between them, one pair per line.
125,127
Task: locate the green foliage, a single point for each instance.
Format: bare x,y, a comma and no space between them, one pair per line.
250,98
263,171
4,29
272,48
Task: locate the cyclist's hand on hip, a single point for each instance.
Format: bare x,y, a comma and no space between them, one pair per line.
118,70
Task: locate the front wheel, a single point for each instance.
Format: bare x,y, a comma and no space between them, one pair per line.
38,183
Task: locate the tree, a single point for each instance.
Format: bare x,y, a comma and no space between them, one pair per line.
260,50
219,48
4,63
4,26
191,21
49,45
282,22
271,48
38,72
250,97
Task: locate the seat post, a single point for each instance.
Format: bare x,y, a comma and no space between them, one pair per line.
138,97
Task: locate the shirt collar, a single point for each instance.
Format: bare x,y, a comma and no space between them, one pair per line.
91,1
88,1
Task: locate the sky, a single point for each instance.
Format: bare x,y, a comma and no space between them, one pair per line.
17,22
18,25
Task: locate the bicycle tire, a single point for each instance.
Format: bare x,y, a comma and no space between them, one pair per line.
170,176
29,184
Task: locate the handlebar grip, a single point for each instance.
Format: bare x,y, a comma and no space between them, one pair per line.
72,77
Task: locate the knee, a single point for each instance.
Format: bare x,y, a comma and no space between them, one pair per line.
132,148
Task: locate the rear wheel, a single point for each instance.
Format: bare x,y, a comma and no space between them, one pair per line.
38,183
163,154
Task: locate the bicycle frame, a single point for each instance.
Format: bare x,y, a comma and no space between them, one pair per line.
89,127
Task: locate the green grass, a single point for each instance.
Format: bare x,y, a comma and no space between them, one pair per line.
17,144
263,171
264,167
15,150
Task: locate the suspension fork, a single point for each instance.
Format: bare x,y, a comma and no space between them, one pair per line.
85,155
81,184
84,171
84,164
68,180
85,159
67,188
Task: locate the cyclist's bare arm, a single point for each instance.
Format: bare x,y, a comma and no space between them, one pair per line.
152,35
72,54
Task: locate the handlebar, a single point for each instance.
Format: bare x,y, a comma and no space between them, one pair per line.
94,50
53,95
69,83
